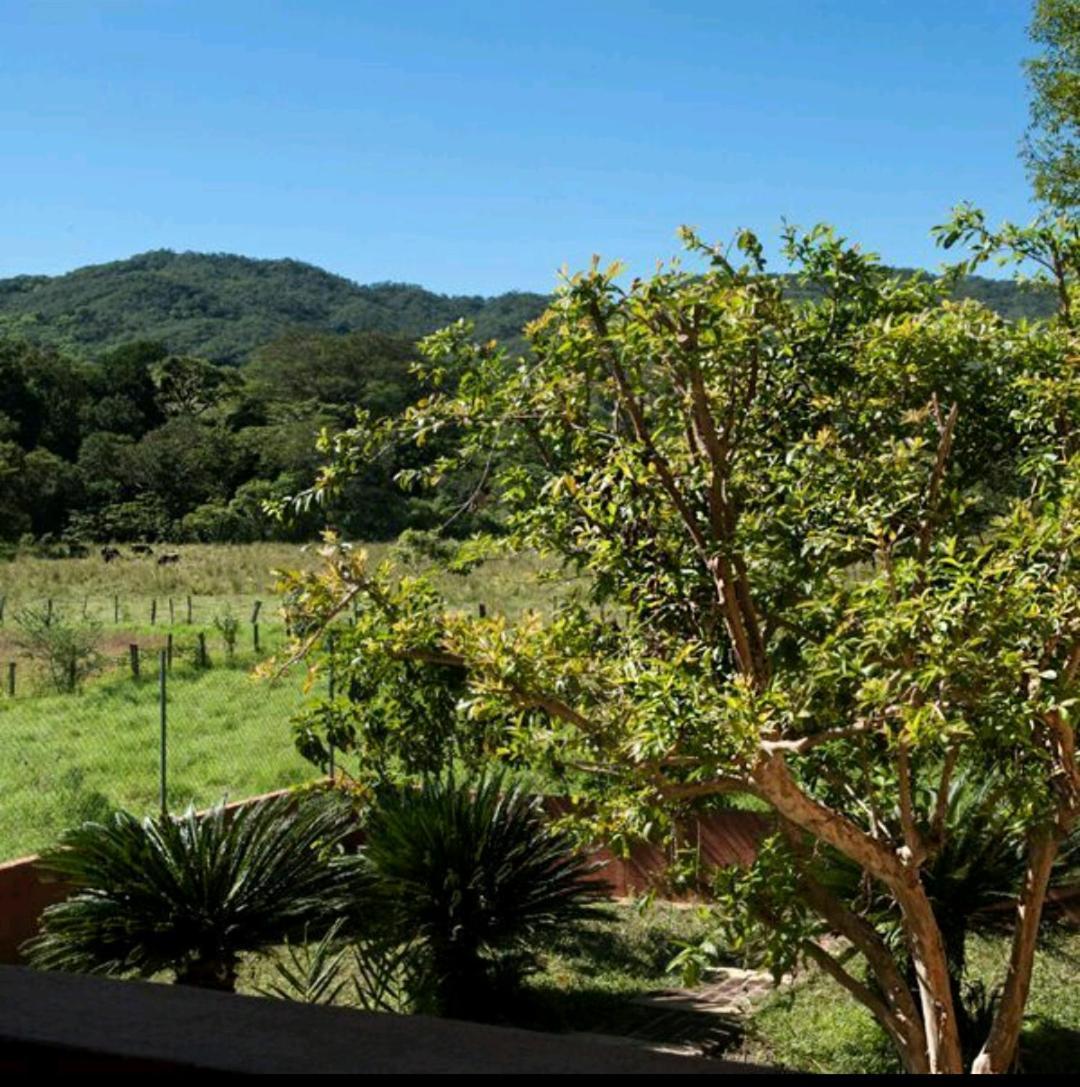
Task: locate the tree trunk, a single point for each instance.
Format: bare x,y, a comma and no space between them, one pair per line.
209,973
999,1052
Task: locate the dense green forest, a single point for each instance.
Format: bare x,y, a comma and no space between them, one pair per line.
170,395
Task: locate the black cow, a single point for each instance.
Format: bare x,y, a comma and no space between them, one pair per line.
110,553
141,549
170,558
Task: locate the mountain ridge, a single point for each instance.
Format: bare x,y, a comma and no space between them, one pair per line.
224,305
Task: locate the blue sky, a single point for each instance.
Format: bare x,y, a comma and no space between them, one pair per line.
478,147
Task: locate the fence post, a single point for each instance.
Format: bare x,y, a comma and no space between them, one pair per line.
153,610
189,610
255,636
172,612
168,650
3,603
115,610
203,659
331,691
162,700
481,610
133,650
11,679
48,612
255,611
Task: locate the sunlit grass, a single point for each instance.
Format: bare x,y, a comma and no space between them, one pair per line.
64,758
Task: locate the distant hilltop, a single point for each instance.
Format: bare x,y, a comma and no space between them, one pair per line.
221,306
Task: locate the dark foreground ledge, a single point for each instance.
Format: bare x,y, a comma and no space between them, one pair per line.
69,1022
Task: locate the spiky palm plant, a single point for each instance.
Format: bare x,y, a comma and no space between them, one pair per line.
191,892
472,872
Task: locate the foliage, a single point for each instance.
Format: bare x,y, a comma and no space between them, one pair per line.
68,650
228,626
828,550
472,872
172,395
222,307
310,971
190,893
1052,148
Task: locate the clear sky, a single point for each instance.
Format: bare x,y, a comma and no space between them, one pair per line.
477,147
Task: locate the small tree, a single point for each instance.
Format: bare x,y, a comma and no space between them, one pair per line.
228,627
69,651
840,538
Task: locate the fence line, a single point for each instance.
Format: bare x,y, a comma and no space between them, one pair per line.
194,729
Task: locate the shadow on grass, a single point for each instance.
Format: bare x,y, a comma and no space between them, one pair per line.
1048,1047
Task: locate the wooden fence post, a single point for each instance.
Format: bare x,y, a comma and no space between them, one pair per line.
11,679
133,651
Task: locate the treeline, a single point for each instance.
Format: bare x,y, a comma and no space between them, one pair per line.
169,396
143,444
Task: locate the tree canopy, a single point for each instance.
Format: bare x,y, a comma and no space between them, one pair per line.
828,551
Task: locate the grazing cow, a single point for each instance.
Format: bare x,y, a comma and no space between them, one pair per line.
110,553
141,549
170,558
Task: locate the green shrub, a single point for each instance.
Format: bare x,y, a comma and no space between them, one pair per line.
68,650
190,893
475,876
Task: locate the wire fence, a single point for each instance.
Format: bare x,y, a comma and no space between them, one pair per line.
167,717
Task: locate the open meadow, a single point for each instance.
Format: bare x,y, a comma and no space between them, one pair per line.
68,756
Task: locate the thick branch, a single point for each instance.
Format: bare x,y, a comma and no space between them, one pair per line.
1000,1049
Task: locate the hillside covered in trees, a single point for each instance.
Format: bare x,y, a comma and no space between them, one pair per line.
169,396
222,307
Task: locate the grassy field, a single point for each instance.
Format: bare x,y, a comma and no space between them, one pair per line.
216,576
66,756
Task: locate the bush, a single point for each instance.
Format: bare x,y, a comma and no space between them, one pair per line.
229,627
68,651
190,893
473,874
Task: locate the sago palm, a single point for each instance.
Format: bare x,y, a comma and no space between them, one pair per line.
190,893
475,875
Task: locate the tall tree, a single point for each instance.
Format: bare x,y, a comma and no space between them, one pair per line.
840,541
1052,147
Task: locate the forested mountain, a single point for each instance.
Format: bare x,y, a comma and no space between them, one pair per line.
222,307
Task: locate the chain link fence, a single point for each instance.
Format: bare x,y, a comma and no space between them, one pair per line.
162,714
